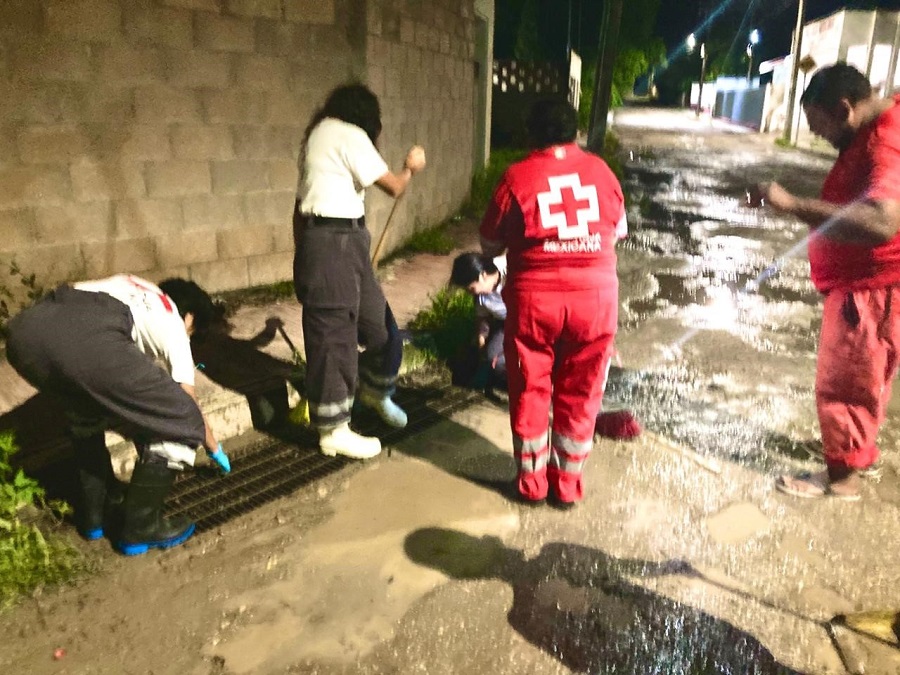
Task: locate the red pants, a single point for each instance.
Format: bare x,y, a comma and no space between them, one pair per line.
858,358
558,345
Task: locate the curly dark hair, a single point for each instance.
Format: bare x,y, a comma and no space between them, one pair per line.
354,104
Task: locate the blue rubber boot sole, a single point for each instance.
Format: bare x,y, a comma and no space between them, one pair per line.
142,547
91,535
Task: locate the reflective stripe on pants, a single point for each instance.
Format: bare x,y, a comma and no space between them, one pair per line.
531,461
567,458
558,346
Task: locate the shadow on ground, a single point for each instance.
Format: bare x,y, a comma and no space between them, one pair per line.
579,605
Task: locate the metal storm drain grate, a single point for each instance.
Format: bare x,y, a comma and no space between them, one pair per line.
278,465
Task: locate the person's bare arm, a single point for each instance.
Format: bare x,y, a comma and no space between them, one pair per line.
209,442
864,221
395,184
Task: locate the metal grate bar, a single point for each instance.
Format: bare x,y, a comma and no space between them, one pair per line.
274,468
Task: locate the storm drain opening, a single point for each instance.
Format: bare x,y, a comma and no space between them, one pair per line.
277,466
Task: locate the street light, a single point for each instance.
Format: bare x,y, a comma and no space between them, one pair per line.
691,44
754,40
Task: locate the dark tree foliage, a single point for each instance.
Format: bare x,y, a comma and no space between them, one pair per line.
540,30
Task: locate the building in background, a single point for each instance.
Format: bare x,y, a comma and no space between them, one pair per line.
868,40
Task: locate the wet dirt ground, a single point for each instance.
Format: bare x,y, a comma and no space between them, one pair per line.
681,559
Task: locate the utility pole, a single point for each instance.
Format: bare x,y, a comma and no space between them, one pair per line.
795,71
609,41
702,78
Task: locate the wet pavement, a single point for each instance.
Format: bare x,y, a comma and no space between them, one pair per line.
727,285
682,558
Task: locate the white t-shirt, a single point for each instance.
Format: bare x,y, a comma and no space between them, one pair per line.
341,162
158,328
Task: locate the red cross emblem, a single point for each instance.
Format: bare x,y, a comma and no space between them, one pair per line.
569,206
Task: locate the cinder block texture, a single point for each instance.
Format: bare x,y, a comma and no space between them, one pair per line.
213,212
147,217
177,178
224,34
89,20
310,11
161,136
418,61
159,26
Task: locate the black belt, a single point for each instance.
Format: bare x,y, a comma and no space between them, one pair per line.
327,221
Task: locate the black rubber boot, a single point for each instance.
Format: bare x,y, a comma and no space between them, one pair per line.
145,527
95,477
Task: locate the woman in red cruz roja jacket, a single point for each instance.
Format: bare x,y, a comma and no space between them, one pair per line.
558,214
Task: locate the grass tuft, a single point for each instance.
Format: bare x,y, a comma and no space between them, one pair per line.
485,180
436,240
447,326
32,554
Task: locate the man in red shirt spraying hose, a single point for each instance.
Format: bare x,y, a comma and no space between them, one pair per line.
557,213
854,256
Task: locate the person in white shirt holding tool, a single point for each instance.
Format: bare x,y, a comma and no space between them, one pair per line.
343,304
97,347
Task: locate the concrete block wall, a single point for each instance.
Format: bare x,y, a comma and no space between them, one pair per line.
419,61
160,136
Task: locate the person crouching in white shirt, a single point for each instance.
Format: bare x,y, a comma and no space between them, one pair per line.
97,347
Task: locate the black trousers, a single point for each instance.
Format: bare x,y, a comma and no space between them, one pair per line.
344,308
76,346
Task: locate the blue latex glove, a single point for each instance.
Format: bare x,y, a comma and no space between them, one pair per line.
220,458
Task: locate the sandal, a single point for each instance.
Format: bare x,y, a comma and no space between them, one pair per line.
812,486
873,472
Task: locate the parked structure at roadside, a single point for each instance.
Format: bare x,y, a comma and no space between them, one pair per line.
867,40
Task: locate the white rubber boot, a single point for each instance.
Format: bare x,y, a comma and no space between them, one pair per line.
343,441
387,410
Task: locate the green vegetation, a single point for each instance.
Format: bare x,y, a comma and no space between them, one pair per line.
447,326
19,291
32,555
436,240
485,180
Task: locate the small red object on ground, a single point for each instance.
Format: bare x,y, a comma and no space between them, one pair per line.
58,653
619,425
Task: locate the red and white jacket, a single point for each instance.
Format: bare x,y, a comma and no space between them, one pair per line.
558,213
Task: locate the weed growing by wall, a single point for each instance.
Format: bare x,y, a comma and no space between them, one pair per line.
32,555
448,325
19,291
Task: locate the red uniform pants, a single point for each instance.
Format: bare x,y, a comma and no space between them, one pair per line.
858,358
558,345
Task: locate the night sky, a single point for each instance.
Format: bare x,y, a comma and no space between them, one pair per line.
775,19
